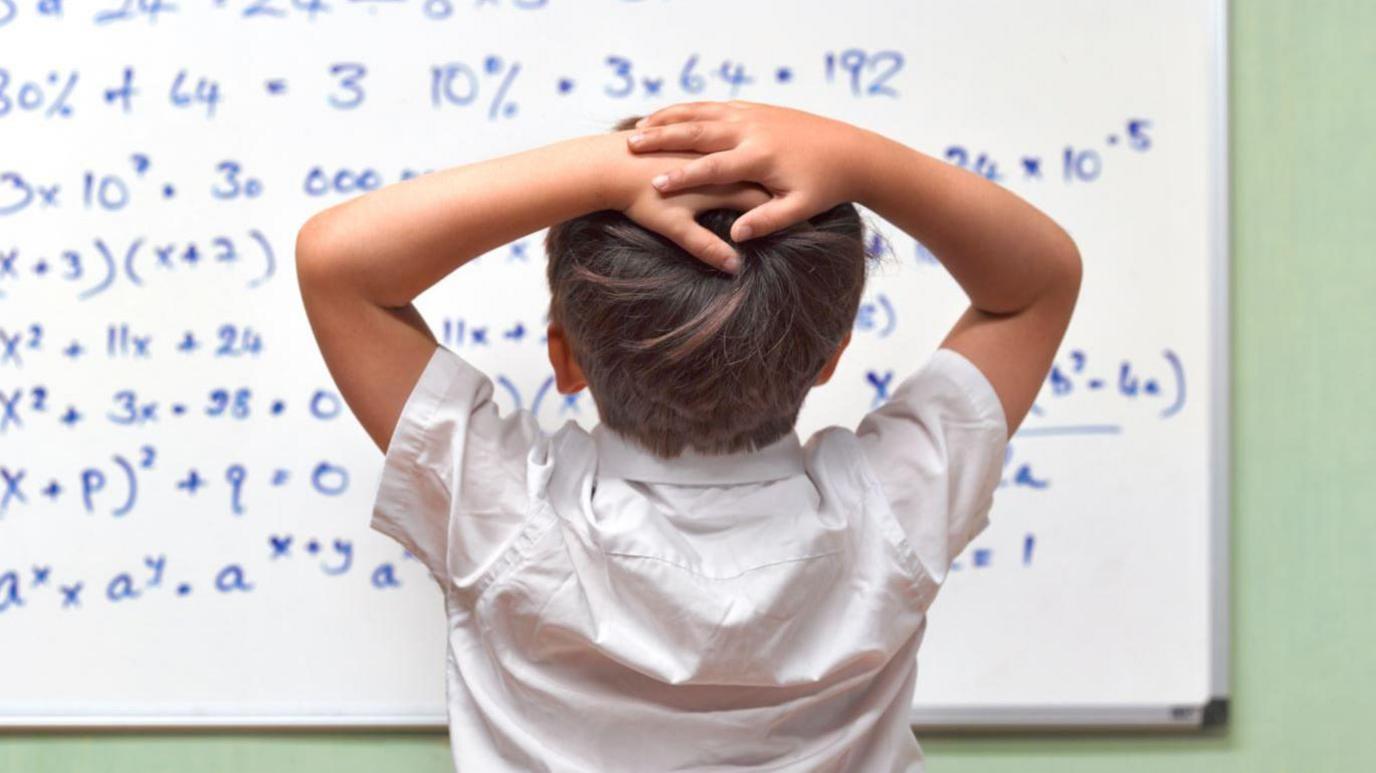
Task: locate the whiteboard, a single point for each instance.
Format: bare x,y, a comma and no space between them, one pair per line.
183,524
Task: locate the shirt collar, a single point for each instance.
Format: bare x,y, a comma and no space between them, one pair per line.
618,457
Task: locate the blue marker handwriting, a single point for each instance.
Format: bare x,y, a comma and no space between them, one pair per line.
130,407
112,487
139,262
126,341
157,575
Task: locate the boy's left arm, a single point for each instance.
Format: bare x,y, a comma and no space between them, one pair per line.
361,263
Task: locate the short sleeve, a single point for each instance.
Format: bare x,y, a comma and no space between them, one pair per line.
937,448
453,485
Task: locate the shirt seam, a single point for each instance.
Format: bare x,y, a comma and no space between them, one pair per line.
517,553
413,435
453,371
894,530
539,518
984,413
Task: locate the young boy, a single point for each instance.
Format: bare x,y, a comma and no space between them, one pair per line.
688,586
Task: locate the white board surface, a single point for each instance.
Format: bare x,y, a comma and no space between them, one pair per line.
184,499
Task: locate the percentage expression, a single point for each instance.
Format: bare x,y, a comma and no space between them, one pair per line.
456,83
33,96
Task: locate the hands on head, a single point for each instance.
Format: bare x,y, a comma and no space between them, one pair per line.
779,166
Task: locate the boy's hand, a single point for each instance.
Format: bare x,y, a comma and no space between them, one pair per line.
674,215
806,161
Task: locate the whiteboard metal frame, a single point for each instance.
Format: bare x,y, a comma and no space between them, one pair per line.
1221,446
1212,711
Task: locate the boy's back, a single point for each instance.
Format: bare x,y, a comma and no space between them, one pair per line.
614,611
616,599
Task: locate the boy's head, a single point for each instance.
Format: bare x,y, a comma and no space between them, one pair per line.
679,355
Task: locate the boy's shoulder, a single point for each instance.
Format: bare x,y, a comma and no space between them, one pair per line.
837,453
459,466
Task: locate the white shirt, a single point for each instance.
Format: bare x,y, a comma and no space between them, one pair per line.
612,611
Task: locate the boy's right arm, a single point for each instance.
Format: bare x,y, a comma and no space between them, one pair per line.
1020,270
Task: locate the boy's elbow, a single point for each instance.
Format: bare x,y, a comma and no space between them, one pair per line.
1075,267
1068,269
316,260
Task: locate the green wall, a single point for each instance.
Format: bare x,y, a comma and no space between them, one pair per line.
1304,474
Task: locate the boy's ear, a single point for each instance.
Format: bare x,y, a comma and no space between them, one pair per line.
568,377
830,367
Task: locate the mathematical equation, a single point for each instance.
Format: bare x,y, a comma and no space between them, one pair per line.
20,407
122,341
92,270
113,489
113,189
40,584
1158,383
487,85
155,575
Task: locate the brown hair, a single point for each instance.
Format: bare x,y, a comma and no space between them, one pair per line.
678,354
